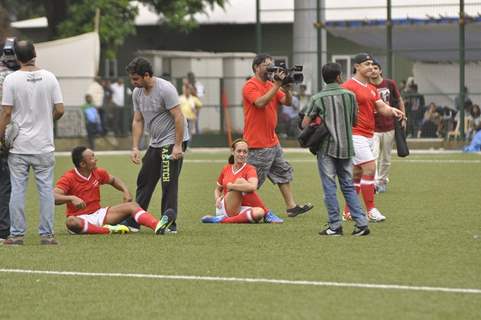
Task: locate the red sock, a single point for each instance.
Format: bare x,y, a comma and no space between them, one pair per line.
245,216
252,199
367,190
88,228
144,218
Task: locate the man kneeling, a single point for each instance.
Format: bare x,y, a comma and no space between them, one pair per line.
79,188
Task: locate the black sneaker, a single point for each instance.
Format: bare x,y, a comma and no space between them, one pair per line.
329,232
297,210
172,229
360,231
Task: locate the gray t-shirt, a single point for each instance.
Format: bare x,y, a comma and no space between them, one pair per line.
155,110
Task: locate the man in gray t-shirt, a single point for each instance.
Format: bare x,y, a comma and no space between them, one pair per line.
156,107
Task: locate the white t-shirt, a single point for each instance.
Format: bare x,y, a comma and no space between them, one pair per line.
32,94
117,94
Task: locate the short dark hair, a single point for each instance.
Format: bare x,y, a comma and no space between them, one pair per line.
260,58
330,72
139,66
25,50
77,155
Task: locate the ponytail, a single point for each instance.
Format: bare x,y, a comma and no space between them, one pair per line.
232,147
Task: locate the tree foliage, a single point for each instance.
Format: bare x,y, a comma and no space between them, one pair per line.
73,17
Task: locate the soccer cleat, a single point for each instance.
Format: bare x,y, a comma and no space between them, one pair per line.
117,229
165,221
360,231
48,239
297,210
172,229
270,217
375,216
330,232
346,216
13,241
133,229
212,219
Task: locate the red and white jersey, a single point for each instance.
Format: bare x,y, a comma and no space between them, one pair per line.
229,174
87,189
366,97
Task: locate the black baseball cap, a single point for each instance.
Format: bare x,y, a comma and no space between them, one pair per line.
361,57
376,63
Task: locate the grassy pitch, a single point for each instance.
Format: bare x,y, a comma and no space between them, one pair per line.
416,265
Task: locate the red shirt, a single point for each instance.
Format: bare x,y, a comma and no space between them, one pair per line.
87,189
228,174
366,97
390,94
260,123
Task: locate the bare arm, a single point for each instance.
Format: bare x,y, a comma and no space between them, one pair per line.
62,198
287,100
121,186
262,101
58,110
179,132
243,185
137,130
5,118
385,110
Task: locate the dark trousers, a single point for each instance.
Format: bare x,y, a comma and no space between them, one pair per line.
156,166
5,189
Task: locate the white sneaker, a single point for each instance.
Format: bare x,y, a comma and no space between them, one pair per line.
375,216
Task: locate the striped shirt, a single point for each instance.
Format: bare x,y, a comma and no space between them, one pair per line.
338,109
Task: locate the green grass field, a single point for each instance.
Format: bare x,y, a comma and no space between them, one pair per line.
432,238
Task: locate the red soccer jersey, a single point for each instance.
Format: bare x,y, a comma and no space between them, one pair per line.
260,123
389,93
366,97
228,174
87,189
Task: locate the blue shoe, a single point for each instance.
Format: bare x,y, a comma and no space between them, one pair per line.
212,219
270,217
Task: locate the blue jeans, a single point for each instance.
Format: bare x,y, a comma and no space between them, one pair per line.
42,165
329,168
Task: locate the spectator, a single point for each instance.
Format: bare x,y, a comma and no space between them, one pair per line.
31,98
337,108
8,64
93,125
107,105
198,90
118,101
79,189
414,104
431,123
467,101
288,119
96,90
156,105
261,99
474,121
384,128
189,105
236,200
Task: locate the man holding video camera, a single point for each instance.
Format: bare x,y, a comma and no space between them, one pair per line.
261,99
8,64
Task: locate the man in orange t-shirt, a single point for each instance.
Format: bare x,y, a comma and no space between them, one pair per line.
261,99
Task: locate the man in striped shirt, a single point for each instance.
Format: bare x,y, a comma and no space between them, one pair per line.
337,108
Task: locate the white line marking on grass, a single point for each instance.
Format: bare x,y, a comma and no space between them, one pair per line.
247,280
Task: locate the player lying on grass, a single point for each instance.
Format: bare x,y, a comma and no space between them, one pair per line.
79,188
236,199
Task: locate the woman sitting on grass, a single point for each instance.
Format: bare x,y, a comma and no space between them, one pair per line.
236,199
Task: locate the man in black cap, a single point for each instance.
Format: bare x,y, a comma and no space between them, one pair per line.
369,102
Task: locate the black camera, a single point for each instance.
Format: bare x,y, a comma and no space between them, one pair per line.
293,75
9,58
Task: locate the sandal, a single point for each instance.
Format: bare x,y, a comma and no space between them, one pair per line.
297,210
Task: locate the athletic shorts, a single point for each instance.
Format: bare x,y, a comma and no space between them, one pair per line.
222,212
270,163
363,147
96,218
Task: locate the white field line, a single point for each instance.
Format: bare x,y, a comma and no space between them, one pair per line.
246,280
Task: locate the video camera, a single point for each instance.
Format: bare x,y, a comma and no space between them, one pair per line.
9,58
293,75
